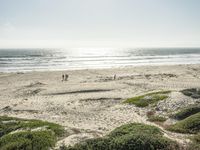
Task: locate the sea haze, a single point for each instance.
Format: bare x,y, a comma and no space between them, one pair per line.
14,60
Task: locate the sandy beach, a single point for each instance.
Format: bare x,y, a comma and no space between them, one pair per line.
90,103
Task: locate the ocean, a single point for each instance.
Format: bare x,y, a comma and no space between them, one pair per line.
22,60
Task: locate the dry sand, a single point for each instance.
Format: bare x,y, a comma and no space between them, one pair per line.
90,104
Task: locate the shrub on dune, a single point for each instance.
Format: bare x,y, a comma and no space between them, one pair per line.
24,134
147,99
28,140
195,144
134,136
186,112
193,92
190,124
157,119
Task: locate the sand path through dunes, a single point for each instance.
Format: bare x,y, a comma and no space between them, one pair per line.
89,104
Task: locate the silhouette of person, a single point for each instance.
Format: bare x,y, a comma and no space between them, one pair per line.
66,77
63,77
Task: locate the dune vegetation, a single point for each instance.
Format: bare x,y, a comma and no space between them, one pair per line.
147,99
18,134
190,124
134,136
193,92
157,119
195,144
186,112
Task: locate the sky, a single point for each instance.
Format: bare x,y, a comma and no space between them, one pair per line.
99,23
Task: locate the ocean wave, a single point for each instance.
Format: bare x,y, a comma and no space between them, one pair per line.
44,59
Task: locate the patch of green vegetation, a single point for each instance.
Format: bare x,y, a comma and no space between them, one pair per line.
190,124
186,112
150,98
134,128
134,136
17,134
57,129
157,119
193,92
28,140
196,138
9,124
195,145
6,118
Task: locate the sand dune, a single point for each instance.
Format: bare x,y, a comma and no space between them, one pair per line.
90,102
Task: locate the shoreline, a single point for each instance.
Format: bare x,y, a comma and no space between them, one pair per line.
91,101
100,68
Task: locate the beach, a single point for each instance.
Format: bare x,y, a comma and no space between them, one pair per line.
90,103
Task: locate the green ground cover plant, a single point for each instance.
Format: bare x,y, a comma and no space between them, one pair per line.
147,99
134,136
24,134
190,124
157,119
186,112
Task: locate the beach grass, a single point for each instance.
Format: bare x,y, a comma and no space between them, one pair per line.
193,92
132,136
16,133
28,140
186,112
156,119
147,99
190,124
195,144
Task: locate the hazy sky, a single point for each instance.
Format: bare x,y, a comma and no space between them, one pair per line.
105,23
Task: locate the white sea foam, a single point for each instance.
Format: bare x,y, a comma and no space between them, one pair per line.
12,60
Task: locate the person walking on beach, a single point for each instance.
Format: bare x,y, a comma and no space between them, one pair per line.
63,77
66,77
115,77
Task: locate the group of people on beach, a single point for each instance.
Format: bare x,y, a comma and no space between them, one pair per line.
65,77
